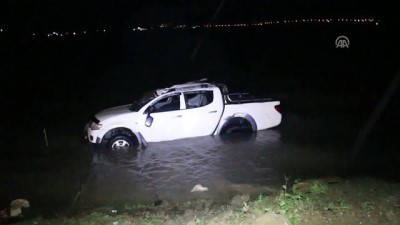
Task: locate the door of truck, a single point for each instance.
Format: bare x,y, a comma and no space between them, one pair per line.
167,119
202,112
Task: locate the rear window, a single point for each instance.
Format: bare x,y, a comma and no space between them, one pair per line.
198,99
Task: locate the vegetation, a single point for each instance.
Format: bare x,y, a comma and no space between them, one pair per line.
317,201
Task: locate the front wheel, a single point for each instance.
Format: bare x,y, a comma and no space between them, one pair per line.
121,143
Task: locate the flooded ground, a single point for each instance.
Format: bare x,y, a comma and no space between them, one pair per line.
172,168
264,159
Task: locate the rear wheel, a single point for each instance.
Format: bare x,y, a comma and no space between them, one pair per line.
121,143
236,125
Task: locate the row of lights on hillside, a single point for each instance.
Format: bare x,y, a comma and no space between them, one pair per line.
58,34
292,21
298,21
183,26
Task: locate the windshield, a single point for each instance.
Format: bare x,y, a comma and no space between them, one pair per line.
146,98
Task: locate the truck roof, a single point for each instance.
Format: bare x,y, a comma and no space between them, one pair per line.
198,84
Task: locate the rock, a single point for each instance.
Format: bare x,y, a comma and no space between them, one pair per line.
16,205
199,188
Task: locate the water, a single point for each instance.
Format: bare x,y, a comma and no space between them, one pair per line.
172,168
69,173
298,148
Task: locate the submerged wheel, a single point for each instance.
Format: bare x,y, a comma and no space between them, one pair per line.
121,143
236,125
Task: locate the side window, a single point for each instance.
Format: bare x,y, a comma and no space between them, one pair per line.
170,103
198,99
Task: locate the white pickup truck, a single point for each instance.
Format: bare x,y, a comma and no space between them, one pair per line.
192,109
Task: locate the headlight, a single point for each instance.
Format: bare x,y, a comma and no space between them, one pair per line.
95,126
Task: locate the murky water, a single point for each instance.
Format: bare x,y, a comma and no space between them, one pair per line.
301,147
248,161
172,168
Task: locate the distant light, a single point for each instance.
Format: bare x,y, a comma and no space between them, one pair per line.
104,30
377,23
33,34
84,31
61,35
1,30
73,33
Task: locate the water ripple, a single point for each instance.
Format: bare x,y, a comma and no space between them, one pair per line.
174,167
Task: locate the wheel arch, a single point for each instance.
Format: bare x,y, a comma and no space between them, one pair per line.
245,116
136,137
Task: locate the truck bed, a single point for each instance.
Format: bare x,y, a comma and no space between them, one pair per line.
239,98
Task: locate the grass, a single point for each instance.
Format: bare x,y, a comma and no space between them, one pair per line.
138,207
311,202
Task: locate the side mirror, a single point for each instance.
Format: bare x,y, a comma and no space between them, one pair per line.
149,121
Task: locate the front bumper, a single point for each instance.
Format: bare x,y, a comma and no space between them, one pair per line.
92,135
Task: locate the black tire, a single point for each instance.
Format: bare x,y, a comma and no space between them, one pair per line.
236,125
121,143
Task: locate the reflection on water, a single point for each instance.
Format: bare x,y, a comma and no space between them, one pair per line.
172,168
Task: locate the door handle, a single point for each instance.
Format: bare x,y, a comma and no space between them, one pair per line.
214,111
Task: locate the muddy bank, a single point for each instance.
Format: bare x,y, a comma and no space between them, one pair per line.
332,200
